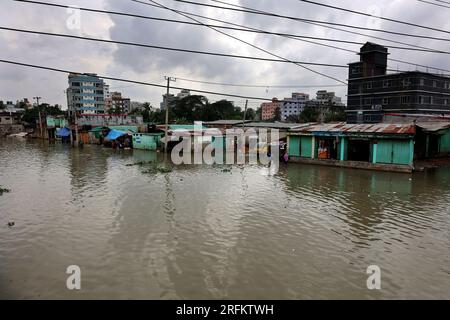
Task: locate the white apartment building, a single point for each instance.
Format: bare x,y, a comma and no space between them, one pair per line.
293,106
85,94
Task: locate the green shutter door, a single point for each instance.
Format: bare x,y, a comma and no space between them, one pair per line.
306,147
400,152
444,142
294,146
384,151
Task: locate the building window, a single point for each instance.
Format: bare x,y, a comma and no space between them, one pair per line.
434,84
406,82
385,101
368,101
356,70
447,85
369,85
405,100
385,83
422,82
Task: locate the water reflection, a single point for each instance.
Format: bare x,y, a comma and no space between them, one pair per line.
204,232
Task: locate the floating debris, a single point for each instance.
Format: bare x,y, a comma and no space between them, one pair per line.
158,169
11,224
226,170
4,190
140,163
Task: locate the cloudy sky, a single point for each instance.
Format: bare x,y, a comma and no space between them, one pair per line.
151,65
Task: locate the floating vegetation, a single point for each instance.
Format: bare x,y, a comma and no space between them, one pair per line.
158,169
4,190
140,163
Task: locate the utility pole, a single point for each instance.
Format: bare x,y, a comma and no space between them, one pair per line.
40,117
166,131
245,112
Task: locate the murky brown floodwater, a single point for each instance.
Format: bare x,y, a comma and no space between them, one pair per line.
201,233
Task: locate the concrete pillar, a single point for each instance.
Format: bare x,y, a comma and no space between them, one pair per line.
411,151
427,146
375,149
313,148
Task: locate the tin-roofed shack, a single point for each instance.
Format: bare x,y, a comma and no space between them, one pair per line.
382,146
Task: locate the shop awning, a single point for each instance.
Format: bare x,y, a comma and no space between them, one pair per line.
114,134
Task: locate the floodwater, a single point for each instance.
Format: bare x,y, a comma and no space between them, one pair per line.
202,232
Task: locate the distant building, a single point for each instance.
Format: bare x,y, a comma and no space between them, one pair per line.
184,93
109,120
139,106
372,92
293,106
120,104
85,94
10,121
268,109
107,97
171,101
324,103
328,98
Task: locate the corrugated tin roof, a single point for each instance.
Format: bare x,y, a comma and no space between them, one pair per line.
432,126
226,122
275,125
380,128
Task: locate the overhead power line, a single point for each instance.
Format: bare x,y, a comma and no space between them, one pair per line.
389,59
62,35
262,86
131,81
374,16
253,46
249,30
321,22
254,11
237,27
436,4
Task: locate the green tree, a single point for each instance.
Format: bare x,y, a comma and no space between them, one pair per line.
277,114
309,114
335,114
251,114
293,118
190,108
31,115
258,114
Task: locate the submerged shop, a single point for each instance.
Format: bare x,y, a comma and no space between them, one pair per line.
381,146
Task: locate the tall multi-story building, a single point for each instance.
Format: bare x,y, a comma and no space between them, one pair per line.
372,92
268,109
293,106
120,104
330,98
325,103
107,97
85,94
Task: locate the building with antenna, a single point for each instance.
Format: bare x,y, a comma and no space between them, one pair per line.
372,92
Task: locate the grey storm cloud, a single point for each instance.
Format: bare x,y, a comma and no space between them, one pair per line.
152,65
